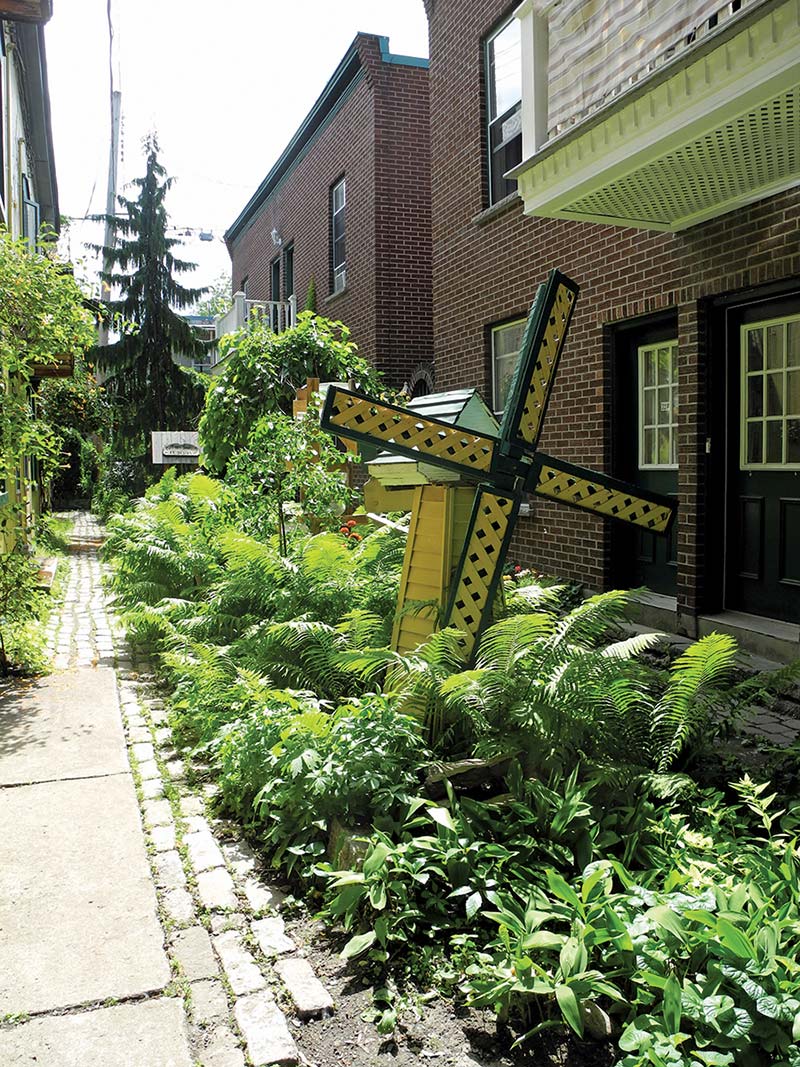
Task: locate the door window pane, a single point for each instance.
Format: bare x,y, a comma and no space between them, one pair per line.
793,441
755,354
774,442
774,394
770,392
658,405
755,396
793,393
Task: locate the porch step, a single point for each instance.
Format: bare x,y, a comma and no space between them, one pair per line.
47,573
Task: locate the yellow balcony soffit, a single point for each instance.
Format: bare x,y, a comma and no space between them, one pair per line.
715,131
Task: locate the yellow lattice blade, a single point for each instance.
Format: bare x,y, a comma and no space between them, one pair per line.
591,491
395,429
479,570
537,364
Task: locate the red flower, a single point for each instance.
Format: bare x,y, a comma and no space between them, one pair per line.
344,530
352,522
517,569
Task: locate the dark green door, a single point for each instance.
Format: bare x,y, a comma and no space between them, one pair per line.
763,520
646,447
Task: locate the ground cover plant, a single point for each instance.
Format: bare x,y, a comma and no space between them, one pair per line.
540,833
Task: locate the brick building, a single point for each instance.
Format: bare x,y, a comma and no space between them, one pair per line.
663,179
347,204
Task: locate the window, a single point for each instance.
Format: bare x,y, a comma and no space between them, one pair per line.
338,271
506,343
658,405
243,285
771,394
503,107
30,215
288,271
275,294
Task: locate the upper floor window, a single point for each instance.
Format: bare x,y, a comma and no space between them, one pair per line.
506,343
503,107
30,215
338,270
288,271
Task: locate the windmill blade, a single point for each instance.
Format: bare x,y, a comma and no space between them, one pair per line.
537,364
589,490
479,570
360,418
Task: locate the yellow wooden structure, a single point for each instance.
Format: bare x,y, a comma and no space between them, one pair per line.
436,451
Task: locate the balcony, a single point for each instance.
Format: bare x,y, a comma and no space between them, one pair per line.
662,119
279,314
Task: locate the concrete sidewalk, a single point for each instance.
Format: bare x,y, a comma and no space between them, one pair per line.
81,947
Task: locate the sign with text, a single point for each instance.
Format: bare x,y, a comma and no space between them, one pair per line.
176,446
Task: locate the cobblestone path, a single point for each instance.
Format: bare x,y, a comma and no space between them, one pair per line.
232,986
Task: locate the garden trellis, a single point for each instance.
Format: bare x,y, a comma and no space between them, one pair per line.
506,465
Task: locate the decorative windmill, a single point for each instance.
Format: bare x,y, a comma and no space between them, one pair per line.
505,464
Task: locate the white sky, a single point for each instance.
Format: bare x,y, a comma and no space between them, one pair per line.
225,84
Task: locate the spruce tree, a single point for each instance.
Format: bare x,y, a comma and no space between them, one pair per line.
148,391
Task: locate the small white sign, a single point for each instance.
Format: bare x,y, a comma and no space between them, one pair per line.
175,446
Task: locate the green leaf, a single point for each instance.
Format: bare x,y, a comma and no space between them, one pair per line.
735,939
473,904
376,858
573,958
672,1005
570,1008
560,888
666,918
544,939
443,817
357,945
377,897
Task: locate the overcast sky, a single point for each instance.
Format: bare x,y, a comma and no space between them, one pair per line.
224,84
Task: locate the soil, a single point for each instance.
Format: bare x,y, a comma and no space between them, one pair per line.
438,1033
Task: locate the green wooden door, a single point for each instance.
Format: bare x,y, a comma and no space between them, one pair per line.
763,519
646,449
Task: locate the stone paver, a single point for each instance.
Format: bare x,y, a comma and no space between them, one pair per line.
192,949
163,838
240,857
240,967
178,905
261,897
157,813
208,1002
204,852
169,870
216,890
309,995
271,936
265,1030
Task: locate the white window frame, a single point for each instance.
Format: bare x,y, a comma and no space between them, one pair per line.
643,352
745,375
490,90
338,273
495,331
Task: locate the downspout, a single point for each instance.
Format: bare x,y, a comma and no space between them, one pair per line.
7,120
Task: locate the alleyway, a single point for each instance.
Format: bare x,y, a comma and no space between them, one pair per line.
121,913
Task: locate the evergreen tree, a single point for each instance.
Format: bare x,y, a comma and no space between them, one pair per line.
147,389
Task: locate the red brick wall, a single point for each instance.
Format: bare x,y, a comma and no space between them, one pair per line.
487,265
378,140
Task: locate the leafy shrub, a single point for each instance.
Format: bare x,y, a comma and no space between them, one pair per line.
262,370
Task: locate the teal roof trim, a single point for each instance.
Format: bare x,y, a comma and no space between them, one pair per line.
400,61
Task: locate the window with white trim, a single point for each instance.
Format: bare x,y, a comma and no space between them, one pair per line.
503,106
658,405
770,405
506,343
338,268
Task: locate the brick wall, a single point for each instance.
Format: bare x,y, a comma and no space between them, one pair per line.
378,140
487,264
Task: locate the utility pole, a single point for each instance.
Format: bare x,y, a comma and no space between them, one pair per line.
113,165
